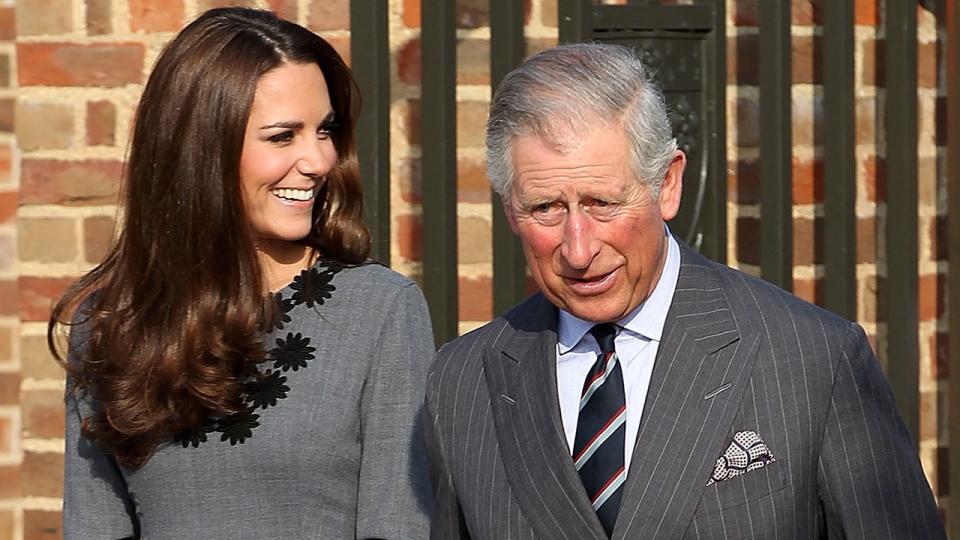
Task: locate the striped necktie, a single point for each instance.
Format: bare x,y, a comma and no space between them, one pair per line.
598,446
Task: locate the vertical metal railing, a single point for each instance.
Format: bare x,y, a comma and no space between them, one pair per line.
776,144
370,58
439,165
953,243
507,50
839,159
900,113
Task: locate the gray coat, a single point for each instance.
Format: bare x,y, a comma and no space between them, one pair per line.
737,356
339,457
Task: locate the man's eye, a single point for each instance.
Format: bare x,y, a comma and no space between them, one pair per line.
542,208
282,137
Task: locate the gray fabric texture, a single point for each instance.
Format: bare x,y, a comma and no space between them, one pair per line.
737,354
340,457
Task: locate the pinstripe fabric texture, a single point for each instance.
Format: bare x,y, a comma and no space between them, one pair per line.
737,354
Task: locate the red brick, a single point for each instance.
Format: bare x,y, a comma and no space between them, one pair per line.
866,239
97,237
4,71
8,205
742,58
42,525
6,344
805,59
101,123
10,478
472,183
471,123
6,166
7,115
748,123
286,9
156,16
8,252
932,296
70,64
748,240
38,294
36,360
940,356
411,13
99,15
41,125
807,120
42,474
746,13
8,437
744,182
475,299
807,241
475,241
875,178
473,13
71,183
8,24
8,297
473,61
409,234
807,181
328,15
47,239
408,62
806,12
873,63
412,122
865,12
866,111
342,45
8,525
409,180
808,289
42,414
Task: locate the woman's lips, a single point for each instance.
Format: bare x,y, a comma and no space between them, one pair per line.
591,286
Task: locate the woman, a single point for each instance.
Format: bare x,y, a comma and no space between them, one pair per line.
239,369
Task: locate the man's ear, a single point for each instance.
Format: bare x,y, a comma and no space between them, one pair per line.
509,213
672,186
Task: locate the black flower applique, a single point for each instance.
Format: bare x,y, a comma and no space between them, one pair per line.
196,435
313,286
292,353
266,390
284,306
238,427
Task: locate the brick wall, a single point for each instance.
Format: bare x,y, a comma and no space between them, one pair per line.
71,72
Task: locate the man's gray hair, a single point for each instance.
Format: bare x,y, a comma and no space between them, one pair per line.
562,93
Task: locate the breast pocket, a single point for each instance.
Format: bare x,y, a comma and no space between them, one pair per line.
744,488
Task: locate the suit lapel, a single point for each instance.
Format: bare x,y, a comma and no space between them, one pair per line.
702,366
521,376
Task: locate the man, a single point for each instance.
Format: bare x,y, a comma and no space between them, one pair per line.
710,405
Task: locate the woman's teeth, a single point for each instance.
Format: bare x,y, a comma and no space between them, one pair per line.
293,194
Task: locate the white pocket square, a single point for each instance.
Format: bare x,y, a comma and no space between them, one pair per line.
746,453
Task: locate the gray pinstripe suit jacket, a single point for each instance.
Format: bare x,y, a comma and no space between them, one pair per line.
737,354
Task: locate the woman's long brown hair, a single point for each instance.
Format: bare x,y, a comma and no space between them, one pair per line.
172,321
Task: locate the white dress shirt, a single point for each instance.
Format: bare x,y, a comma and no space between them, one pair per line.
636,344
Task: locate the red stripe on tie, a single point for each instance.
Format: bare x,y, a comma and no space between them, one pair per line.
599,431
601,373
606,485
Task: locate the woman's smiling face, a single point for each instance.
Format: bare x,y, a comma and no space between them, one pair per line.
287,151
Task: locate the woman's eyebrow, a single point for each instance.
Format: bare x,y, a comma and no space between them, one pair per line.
290,124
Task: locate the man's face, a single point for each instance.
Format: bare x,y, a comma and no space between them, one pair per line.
592,234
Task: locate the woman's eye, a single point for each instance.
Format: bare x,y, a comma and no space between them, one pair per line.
280,138
326,130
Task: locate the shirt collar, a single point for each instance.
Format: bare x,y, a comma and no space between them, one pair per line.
645,321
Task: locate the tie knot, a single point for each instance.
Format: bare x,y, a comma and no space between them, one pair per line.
605,333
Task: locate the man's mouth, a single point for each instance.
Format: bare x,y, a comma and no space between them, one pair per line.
593,285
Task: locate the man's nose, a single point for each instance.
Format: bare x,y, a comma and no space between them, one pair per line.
579,246
317,157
